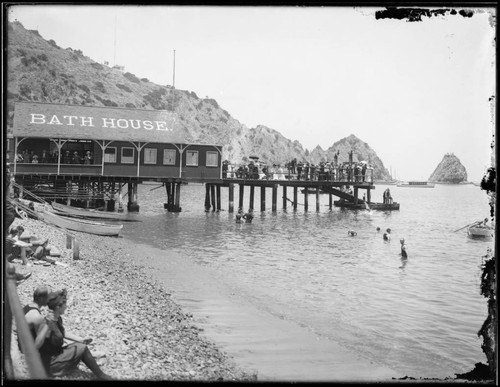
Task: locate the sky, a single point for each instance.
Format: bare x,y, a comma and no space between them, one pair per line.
413,91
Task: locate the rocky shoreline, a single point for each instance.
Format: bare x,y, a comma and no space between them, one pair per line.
138,331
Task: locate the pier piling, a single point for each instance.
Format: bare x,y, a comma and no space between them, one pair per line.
262,198
231,197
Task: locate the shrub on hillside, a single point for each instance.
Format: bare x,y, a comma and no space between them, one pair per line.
84,88
193,94
123,87
97,66
144,79
43,57
132,78
106,102
35,32
53,43
100,87
130,105
25,90
154,98
212,102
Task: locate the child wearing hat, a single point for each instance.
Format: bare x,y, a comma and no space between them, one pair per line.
58,359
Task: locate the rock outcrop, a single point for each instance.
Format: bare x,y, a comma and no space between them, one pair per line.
449,170
361,152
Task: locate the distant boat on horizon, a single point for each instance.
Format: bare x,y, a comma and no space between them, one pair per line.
416,184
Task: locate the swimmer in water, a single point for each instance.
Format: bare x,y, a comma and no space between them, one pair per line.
378,228
248,217
404,254
238,218
352,233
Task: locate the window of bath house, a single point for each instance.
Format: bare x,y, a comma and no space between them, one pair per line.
212,159
192,158
149,156
110,155
127,155
169,156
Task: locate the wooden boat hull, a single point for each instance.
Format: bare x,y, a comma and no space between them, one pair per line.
480,232
361,206
82,225
61,209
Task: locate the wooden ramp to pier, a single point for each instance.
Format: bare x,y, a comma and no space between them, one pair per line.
343,195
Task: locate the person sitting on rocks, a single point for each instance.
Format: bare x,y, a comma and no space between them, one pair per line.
33,313
14,246
57,358
41,252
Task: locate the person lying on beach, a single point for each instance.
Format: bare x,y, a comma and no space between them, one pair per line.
60,359
33,313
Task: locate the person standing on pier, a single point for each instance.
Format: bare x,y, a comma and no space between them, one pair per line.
299,170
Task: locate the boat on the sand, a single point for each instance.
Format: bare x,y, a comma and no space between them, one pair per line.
81,225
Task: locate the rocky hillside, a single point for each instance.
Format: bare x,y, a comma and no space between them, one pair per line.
41,71
449,170
361,152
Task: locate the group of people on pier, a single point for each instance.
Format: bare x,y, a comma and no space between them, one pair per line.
324,171
44,157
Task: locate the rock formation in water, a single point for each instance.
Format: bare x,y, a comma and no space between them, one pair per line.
449,170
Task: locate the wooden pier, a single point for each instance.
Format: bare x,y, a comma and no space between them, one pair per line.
332,188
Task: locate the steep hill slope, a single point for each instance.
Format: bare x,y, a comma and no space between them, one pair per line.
41,71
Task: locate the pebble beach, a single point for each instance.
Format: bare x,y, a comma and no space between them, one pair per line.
138,331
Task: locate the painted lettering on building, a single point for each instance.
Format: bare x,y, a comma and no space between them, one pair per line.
92,122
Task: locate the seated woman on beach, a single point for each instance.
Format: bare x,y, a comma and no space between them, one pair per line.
57,358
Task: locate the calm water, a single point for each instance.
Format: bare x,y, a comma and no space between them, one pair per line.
419,317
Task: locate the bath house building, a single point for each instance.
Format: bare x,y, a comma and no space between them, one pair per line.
100,149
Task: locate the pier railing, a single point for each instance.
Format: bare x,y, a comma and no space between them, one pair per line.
331,174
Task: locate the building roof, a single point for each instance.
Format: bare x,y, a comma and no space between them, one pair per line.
48,120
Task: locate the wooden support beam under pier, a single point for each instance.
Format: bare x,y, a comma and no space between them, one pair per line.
231,197
263,198
252,196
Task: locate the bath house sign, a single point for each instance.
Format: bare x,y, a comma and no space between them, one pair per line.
97,123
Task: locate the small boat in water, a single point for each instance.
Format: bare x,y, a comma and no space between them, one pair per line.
61,209
416,184
480,232
362,206
82,225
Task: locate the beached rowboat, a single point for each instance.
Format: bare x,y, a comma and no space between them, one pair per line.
480,232
61,209
81,225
